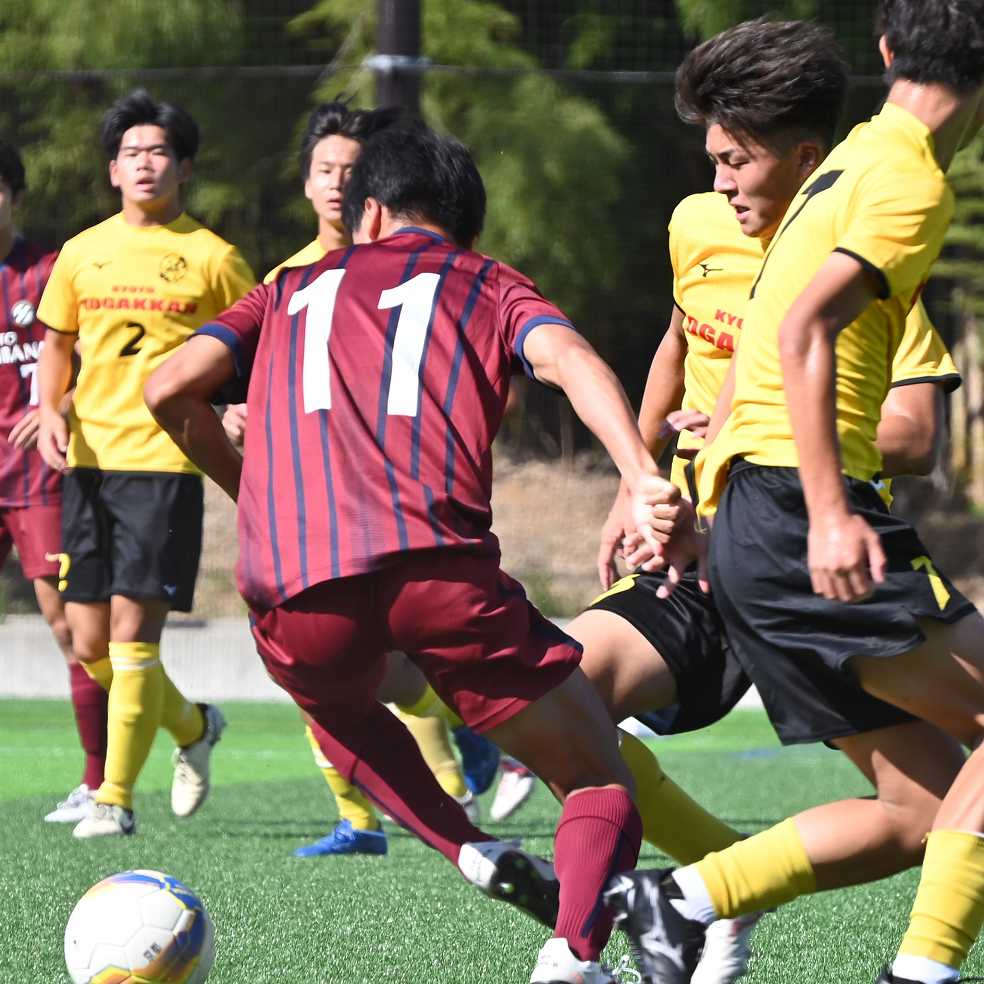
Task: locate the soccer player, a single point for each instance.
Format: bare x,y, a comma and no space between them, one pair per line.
30,491
131,290
330,145
830,602
379,376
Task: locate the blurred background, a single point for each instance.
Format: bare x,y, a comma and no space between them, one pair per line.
568,107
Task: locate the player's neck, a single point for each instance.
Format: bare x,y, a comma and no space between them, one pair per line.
149,214
331,237
8,237
942,109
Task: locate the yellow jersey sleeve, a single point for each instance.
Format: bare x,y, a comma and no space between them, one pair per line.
714,264
922,356
309,254
133,295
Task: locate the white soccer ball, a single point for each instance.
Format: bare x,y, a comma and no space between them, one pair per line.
139,927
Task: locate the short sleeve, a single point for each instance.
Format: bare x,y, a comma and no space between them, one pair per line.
675,259
922,356
521,309
239,329
233,279
59,307
897,229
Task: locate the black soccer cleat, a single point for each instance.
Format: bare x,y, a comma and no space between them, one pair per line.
504,871
666,946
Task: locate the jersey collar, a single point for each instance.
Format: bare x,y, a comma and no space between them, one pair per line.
423,232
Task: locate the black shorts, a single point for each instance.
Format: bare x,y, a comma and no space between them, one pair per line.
136,534
686,630
794,644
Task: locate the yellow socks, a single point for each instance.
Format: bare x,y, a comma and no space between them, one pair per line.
764,871
671,820
949,909
135,701
101,671
430,705
431,734
180,716
352,805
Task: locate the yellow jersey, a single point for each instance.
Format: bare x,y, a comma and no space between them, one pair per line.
880,197
310,254
714,264
133,294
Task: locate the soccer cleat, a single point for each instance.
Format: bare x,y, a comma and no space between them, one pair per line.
515,788
345,839
726,950
191,765
106,820
557,965
503,871
666,946
479,759
885,977
75,808
471,806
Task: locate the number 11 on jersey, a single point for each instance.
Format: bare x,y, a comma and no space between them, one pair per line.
415,298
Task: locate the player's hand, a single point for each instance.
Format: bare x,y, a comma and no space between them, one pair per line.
53,440
613,536
684,420
845,556
655,507
687,545
234,423
24,434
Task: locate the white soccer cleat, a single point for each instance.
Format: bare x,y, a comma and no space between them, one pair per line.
75,808
727,949
106,820
471,806
515,788
504,871
557,965
192,763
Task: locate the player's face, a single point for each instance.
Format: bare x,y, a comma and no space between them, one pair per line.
758,181
9,203
147,169
331,165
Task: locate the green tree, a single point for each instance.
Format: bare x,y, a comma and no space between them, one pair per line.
551,161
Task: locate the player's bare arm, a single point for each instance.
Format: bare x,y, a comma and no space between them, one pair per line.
55,365
561,357
178,393
845,555
911,429
663,395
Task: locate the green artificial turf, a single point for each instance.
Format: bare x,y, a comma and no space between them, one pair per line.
407,917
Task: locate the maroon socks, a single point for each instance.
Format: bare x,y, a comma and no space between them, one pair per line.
598,836
90,702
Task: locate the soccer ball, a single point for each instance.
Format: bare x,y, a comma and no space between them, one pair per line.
139,927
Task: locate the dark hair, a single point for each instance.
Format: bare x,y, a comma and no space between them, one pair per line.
12,167
934,41
138,109
418,174
766,80
336,119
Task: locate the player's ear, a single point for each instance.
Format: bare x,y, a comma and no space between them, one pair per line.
888,56
184,170
809,155
114,173
17,200
372,222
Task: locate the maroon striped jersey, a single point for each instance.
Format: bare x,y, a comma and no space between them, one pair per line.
25,480
377,379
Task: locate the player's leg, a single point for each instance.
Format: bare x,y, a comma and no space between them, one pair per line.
943,681
631,676
89,701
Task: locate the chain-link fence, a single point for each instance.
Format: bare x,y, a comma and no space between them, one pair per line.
568,105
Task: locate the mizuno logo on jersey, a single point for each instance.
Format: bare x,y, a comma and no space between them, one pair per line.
707,268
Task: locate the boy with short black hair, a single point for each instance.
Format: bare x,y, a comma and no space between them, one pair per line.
130,290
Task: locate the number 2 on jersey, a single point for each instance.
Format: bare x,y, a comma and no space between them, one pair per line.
415,298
